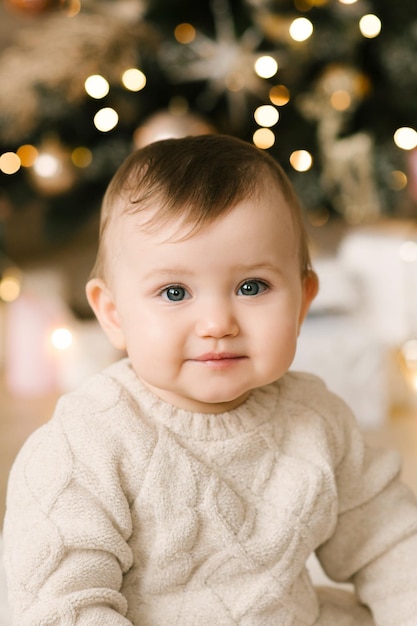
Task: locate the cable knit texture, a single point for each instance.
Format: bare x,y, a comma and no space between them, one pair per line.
124,510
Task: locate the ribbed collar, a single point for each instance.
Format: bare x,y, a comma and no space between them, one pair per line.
255,411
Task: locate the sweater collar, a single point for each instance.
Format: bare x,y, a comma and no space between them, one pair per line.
256,410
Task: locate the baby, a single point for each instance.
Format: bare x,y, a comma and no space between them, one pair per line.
190,482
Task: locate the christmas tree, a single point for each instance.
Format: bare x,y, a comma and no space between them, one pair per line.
326,86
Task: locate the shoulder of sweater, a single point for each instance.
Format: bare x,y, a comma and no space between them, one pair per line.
101,390
96,425
98,409
105,394
311,392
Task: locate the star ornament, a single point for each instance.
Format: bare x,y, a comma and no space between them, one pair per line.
228,64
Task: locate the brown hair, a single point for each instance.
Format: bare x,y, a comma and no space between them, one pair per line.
196,179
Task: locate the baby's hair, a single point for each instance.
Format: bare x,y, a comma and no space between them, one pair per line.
194,180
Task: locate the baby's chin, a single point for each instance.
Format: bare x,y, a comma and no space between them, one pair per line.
207,403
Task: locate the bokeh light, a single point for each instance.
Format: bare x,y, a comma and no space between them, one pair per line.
301,160
185,33
370,26
301,29
106,119
263,138
279,95
266,66
266,115
9,163
97,86
61,338
134,79
405,138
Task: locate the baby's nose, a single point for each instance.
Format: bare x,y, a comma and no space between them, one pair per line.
217,320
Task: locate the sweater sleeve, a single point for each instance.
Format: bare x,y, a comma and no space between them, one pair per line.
374,544
66,528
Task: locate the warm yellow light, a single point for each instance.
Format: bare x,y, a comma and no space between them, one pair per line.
266,115
301,160
398,180
81,157
27,155
10,285
97,86
347,1
263,138
301,29
370,26
61,338
106,119
185,33
74,7
9,163
47,165
279,95
134,79
306,5
405,138
409,351
266,66
340,100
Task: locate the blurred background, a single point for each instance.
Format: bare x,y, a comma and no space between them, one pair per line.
327,87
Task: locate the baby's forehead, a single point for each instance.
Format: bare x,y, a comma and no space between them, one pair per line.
182,221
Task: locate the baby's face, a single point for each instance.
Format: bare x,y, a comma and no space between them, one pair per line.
208,318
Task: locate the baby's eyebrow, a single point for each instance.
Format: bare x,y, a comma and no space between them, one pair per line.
168,272
259,266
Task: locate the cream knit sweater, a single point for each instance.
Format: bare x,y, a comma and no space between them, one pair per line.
126,510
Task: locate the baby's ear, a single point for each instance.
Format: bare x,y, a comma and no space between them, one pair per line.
102,302
310,289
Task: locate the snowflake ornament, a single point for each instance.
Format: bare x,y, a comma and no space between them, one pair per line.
226,63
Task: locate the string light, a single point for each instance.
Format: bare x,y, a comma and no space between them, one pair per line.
47,165
133,79
266,115
370,26
185,33
61,338
398,180
301,160
301,29
106,119
10,284
27,155
405,138
81,157
9,163
96,86
263,138
266,66
73,8
279,95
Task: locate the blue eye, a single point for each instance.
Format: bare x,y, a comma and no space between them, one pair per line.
175,293
252,288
